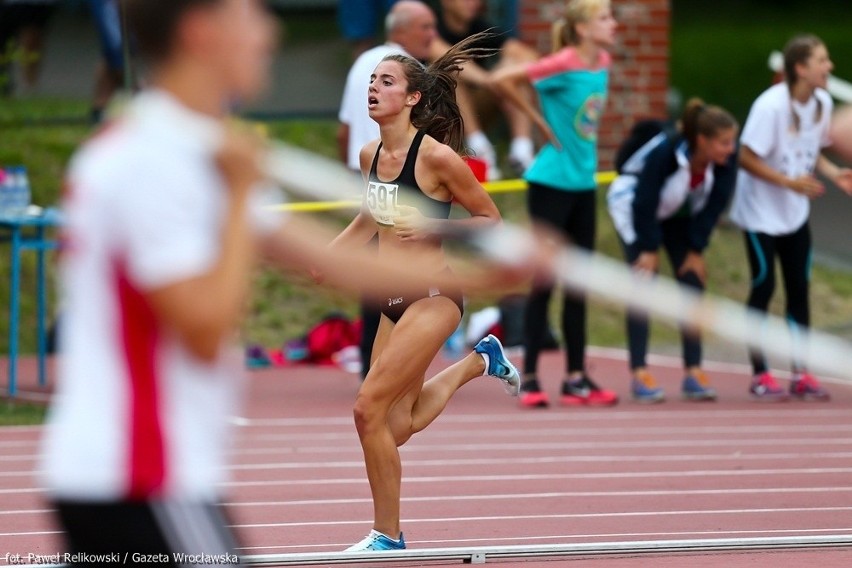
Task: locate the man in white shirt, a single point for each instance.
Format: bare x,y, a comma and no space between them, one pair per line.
410,28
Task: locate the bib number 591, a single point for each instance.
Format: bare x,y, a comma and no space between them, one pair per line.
382,201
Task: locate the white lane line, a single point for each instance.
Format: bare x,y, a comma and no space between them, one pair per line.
506,497
507,478
22,512
593,444
546,495
526,417
608,415
622,514
30,533
538,538
514,460
537,433
554,476
412,463
509,447
718,533
20,491
520,447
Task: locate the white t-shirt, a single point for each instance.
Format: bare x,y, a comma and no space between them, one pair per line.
770,132
135,415
353,107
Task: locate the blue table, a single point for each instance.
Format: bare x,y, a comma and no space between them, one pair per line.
28,232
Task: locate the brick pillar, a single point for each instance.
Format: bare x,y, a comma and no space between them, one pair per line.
639,77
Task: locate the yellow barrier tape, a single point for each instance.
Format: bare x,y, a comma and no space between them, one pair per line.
316,206
503,186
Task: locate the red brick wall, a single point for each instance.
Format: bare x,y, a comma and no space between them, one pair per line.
640,74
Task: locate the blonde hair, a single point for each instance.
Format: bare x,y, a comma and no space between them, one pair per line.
564,31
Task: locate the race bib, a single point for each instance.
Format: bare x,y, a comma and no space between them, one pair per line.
382,202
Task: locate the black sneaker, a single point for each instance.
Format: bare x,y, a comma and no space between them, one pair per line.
584,392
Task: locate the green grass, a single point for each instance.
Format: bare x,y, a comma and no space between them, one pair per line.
21,413
721,54
308,26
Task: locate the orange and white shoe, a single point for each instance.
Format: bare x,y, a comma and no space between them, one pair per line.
644,388
697,387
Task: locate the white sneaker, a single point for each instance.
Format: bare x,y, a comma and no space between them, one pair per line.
378,541
521,154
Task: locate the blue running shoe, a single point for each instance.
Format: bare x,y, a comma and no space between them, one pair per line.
695,386
378,541
498,364
644,388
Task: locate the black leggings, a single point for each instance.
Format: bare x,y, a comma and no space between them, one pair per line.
794,255
675,233
571,213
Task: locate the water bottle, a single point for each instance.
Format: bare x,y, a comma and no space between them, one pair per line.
21,193
7,188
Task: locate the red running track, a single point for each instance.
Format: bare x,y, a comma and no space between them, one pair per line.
488,473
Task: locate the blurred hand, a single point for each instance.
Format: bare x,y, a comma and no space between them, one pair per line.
844,180
548,133
807,185
410,224
694,262
647,264
239,159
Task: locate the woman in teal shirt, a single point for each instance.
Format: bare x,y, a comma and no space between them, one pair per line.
572,86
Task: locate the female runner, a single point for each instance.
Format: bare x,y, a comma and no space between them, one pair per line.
415,161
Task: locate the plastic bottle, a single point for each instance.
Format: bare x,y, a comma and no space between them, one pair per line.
21,193
7,188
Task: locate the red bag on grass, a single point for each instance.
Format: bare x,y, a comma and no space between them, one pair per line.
334,333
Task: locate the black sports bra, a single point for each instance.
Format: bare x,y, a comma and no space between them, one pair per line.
382,197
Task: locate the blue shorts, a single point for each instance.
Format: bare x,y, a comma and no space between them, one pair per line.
358,18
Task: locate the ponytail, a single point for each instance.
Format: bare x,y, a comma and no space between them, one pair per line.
706,120
797,52
437,113
561,34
